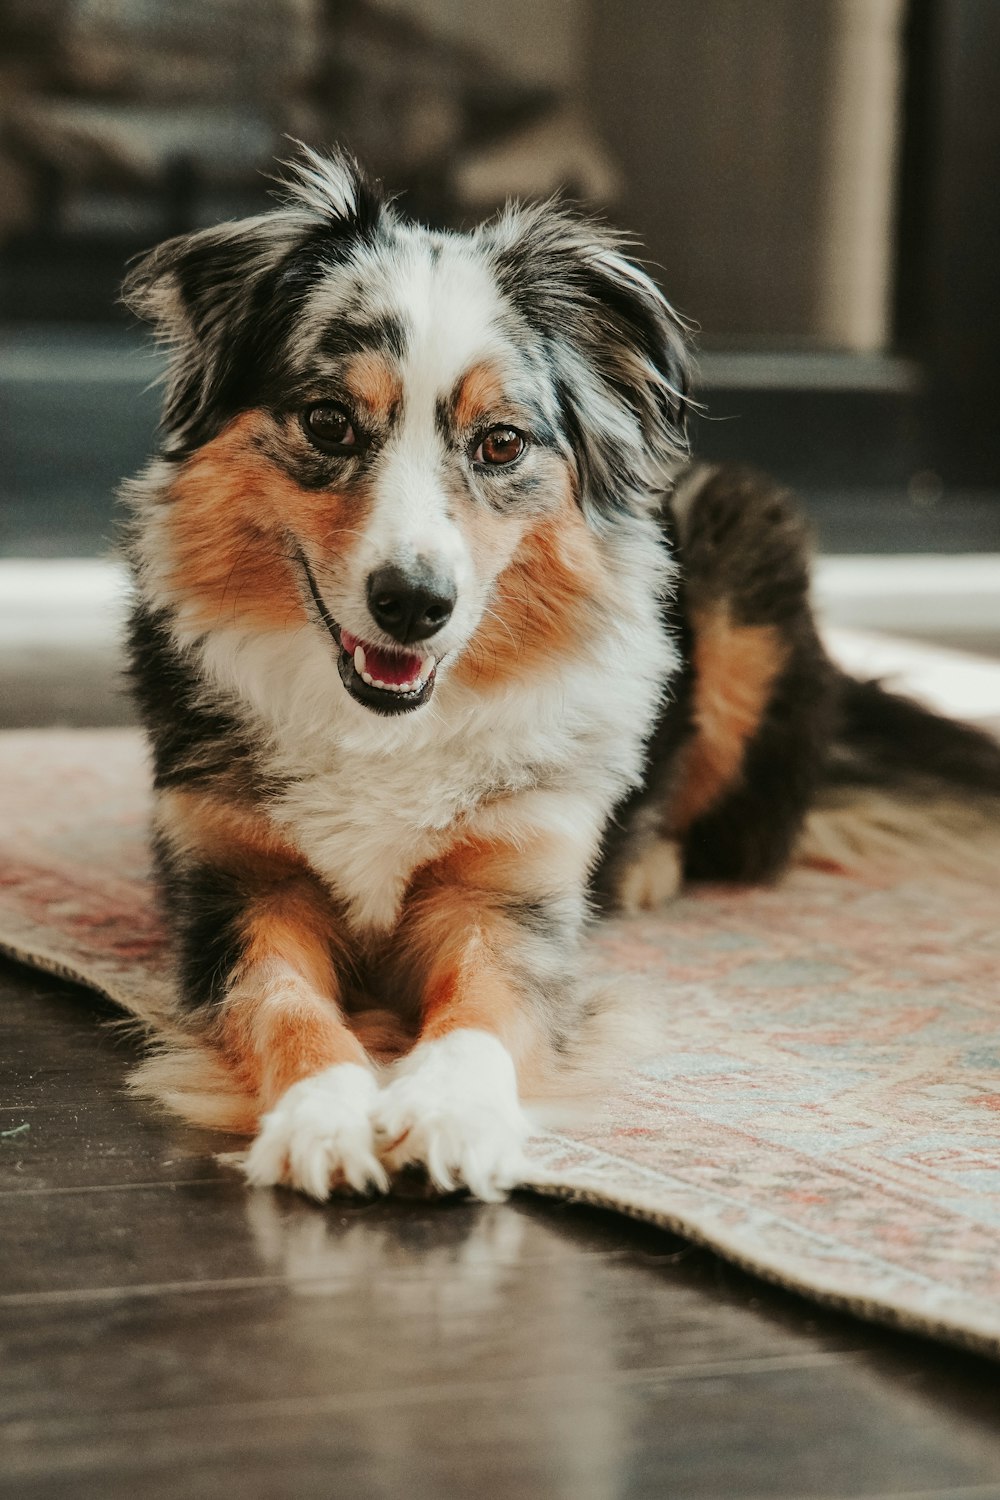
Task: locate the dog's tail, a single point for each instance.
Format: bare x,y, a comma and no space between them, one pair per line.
904,786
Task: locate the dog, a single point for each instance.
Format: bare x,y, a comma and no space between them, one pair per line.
441,642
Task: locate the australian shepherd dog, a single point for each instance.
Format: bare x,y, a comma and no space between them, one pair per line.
441,644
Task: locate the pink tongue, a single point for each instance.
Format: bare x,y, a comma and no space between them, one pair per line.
385,666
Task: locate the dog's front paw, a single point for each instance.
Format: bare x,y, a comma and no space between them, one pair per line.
319,1136
452,1108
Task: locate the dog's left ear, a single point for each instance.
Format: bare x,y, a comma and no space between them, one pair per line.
618,348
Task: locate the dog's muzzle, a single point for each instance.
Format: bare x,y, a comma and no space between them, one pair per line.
386,679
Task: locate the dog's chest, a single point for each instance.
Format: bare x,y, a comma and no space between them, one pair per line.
367,821
368,801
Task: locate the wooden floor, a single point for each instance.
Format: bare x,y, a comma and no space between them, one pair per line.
166,1332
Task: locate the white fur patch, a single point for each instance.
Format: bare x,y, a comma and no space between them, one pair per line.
319,1136
653,878
452,1107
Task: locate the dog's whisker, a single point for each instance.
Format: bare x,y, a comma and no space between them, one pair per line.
502,622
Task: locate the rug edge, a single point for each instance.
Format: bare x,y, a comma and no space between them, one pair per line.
870,1310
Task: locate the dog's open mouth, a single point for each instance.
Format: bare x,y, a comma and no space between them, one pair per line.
383,678
389,681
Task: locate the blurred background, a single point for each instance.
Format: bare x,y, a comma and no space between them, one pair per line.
814,185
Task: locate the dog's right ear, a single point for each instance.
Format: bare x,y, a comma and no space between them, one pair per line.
194,287
220,298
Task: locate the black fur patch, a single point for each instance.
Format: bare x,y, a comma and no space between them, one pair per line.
384,335
227,300
205,908
888,742
191,741
742,547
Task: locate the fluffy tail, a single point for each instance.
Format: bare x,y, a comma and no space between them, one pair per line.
903,784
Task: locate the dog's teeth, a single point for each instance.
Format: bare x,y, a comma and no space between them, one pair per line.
359,660
413,686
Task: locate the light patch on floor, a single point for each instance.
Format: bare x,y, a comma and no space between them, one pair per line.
62,621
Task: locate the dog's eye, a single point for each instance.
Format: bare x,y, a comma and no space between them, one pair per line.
330,427
500,446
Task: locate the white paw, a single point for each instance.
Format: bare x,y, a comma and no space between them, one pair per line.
452,1107
653,878
319,1136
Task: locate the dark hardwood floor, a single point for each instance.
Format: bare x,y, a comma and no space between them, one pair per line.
166,1332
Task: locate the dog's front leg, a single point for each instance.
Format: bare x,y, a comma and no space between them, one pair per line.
261,957
315,1081
492,932
280,1022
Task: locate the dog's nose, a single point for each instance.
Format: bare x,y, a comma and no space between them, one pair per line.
410,604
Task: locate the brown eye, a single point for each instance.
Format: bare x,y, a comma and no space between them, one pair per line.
330,426
500,446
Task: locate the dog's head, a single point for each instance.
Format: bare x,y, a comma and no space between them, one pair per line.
418,439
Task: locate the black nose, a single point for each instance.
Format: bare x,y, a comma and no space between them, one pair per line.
410,604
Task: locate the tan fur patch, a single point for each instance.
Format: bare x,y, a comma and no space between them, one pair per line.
371,379
281,1020
876,834
192,1078
297,1041
465,984
735,669
295,923
480,866
461,944
546,599
483,998
281,1033
478,394
228,514
231,835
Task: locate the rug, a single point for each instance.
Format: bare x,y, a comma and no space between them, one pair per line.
821,1101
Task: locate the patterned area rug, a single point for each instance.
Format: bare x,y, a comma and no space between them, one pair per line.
821,1101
